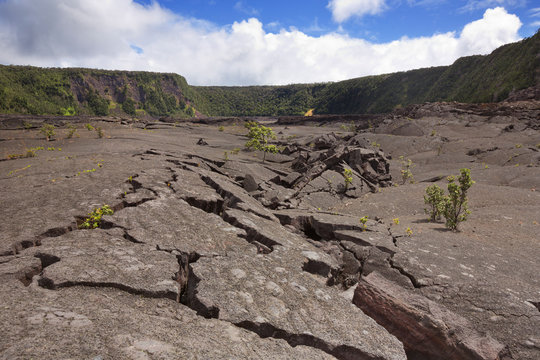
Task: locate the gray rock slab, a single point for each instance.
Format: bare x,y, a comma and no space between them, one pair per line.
104,258
368,238
269,295
173,224
106,323
326,225
233,194
190,187
272,235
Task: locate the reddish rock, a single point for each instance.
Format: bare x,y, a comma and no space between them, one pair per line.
428,330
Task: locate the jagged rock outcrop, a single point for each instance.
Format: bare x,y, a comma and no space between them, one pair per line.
427,330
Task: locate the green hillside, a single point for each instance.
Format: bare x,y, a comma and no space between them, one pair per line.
32,90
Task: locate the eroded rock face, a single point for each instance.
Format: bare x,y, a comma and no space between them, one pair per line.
427,330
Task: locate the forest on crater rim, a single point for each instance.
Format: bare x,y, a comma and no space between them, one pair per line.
79,91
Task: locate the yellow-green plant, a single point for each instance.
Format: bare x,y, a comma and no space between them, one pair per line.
72,131
363,221
89,127
259,137
48,131
94,218
456,203
99,131
434,198
406,173
347,175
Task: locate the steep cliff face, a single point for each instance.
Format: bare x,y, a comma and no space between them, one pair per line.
85,91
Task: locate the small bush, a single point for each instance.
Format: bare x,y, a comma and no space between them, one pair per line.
100,132
221,128
89,127
259,136
48,131
406,173
363,221
435,199
94,218
455,204
71,132
347,175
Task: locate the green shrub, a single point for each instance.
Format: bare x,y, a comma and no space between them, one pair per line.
94,218
259,136
347,175
456,203
100,132
48,131
221,128
89,127
71,132
363,221
406,173
435,199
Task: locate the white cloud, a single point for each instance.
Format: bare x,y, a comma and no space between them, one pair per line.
342,10
120,34
500,27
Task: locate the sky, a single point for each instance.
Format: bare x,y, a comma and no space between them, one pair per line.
256,42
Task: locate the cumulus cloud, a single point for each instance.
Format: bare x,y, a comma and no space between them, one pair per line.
342,10
121,34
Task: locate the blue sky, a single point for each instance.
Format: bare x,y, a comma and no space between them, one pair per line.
256,42
398,18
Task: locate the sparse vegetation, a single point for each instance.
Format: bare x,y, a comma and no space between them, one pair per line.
347,176
72,131
259,137
89,127
48,131
434,198
221,128
17,170
363,221
100,132
94,218
456,202
406,173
